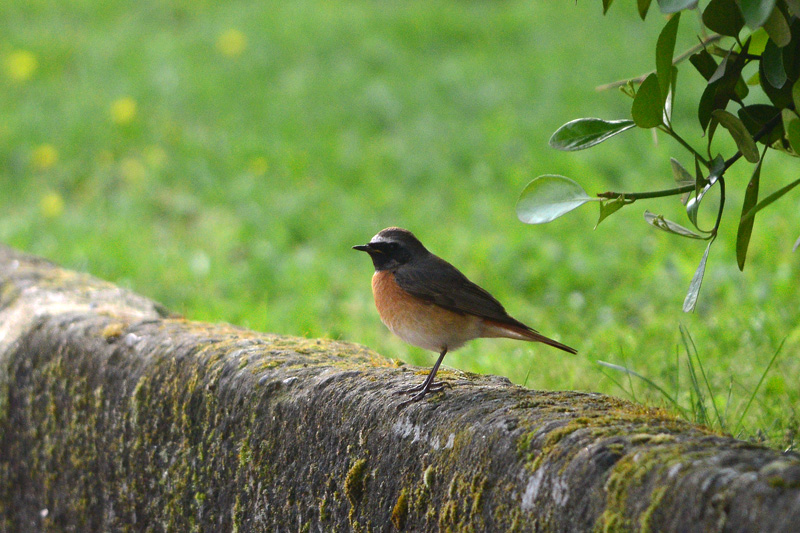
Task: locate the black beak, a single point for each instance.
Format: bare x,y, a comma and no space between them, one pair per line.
363,248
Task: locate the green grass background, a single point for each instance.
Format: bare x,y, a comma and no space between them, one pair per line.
235,192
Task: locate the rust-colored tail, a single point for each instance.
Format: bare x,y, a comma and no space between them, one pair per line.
521,332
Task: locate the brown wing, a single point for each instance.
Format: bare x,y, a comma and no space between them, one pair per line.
435,280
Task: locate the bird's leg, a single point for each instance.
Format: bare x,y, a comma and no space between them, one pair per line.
429,385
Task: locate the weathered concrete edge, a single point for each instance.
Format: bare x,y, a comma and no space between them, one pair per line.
114,416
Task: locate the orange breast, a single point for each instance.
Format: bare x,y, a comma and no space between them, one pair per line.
419,322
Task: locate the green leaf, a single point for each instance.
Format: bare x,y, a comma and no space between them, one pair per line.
769,199
741,89
772,65
670,227
681,175
779,68
791,55
744,141
644,6
706,105
586,132
723,17
717,168
699,180
609,207
796,93
794,7
704,63
791,125
673,6
671,94
755,12
721,68
746,226
548,197
606,5
758,40
729,71
690,301
756,116
647,108
725,84
702,186
665,48
777,28
693,204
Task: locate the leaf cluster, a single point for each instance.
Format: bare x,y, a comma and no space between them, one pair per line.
736,37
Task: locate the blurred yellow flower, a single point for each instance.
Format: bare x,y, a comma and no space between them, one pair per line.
259,166
20,65
44,157
132,170
155,156
51,205
232,43
123,110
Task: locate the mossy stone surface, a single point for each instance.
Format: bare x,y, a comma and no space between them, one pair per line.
116,416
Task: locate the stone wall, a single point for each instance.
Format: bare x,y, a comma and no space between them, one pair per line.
116,416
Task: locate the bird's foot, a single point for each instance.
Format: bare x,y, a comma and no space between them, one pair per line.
420,391
417,397
434,387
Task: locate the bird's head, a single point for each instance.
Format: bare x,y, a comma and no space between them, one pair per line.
393,247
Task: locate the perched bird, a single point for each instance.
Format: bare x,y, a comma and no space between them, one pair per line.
429,303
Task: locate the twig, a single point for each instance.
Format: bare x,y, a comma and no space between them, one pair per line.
650,194
696,48
632,196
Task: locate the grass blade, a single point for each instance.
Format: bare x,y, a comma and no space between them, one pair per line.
728,398
677,372
760,381
630,379
647,380
615,382
697,399
688,335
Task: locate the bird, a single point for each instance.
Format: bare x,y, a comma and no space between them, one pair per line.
429,303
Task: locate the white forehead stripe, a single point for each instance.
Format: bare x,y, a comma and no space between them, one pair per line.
380,238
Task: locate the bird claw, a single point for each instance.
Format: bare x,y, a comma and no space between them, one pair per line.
417,397
434,387
420,391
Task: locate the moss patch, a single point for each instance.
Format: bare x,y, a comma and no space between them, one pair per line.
354,482
400,511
